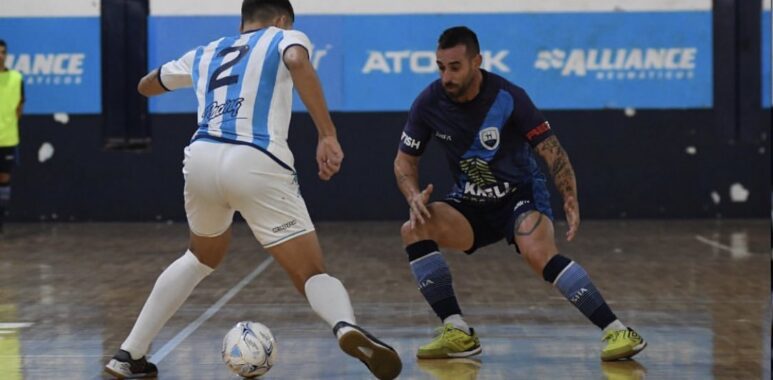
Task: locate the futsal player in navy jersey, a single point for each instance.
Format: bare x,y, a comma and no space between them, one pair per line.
490,131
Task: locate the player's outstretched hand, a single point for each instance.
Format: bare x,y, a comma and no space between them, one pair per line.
329,157
418,204
572,211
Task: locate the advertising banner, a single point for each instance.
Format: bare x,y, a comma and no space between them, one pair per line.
57,49
591,59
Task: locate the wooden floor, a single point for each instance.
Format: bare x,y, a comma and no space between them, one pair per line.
698,291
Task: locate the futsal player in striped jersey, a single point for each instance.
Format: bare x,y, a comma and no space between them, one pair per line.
238,160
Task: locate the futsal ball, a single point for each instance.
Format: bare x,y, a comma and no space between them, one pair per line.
249,349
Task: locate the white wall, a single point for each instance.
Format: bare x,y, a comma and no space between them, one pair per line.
232,7
80,8
49,8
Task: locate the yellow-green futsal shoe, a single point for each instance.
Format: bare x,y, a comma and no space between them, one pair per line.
450,342
622,344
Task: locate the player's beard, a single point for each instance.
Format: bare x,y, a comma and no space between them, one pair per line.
456,90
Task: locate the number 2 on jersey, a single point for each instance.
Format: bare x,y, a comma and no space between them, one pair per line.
214,80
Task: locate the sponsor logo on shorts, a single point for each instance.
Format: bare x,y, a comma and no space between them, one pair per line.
497,191
285,226
520,204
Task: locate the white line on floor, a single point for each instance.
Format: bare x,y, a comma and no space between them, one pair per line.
716,244
15,325
159,355
27,356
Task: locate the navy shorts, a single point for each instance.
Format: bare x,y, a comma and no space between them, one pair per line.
7,159
493,221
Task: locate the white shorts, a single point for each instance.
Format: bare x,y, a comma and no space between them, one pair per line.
222,178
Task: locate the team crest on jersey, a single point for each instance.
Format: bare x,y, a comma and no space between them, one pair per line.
489,137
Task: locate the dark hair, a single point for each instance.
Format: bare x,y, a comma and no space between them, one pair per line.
2,43
459,35
264,10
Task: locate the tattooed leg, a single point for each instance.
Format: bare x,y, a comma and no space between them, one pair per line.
529,230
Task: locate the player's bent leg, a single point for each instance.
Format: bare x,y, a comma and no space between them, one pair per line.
301,258
172,288
534,236
448,228
210,251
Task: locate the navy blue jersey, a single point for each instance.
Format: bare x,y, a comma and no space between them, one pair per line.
488,141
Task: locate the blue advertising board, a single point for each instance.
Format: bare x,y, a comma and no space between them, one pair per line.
60,61
592,60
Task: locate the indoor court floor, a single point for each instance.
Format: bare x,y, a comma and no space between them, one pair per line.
698,291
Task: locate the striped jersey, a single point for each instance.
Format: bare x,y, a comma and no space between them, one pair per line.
243,88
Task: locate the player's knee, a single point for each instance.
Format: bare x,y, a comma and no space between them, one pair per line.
405,230
412,234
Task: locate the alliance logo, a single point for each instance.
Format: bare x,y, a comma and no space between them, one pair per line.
49,69
621,64
520,204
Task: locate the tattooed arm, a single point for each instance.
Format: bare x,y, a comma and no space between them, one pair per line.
563,176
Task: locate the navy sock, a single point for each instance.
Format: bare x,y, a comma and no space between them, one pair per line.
575,284
434,277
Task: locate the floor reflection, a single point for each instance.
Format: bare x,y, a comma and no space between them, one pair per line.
69,294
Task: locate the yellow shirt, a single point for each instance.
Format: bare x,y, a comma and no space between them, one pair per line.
11,95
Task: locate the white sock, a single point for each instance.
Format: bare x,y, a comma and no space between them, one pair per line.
614,326
172,288
458,322
329,299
